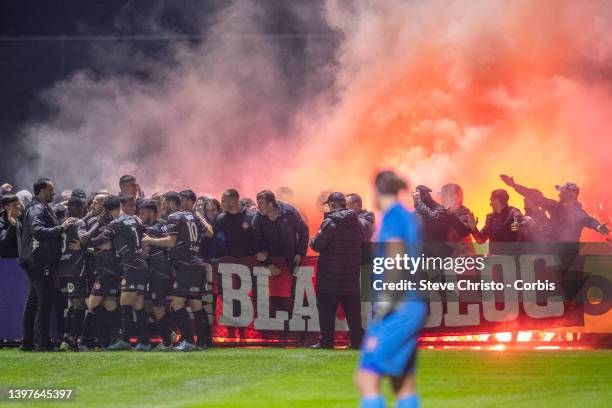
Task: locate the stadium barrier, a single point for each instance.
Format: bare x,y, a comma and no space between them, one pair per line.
249,305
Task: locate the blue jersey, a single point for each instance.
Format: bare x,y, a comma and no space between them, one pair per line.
400,224
390,343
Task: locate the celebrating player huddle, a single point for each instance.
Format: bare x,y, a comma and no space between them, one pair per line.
111,251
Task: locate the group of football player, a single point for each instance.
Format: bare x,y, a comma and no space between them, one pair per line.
119,251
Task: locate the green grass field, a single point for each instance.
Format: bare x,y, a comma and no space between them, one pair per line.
309,378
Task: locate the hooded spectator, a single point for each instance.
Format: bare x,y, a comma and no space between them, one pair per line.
24,197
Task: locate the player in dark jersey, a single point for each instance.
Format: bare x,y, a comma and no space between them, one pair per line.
103,313
73,280
160,272
126,232
185,230
128,203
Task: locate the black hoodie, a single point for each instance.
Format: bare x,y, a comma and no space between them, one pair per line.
338,243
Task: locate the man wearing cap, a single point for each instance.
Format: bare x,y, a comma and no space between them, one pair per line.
338,243
567,217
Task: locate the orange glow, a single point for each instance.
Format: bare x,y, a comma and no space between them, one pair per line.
503,337
463,94
524,336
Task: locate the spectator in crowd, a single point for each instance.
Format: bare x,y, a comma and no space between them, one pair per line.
39,238
5,189
249,204
366,218
433,216
188,200
459,216
213,247
284,194
537,224
567,217
212,209
279,231
25,197
319,203
200,205
502,225
128,185
9,217
236,225
338,243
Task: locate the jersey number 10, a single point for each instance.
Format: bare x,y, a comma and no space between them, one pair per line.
193,232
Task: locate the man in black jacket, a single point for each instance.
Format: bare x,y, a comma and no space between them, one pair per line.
39,235
279,231
9,216
338,243
366,218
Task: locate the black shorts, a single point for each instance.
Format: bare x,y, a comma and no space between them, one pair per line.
160,289
134,280
74,286
189,282
106,285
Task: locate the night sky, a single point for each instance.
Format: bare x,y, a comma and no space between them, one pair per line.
42,42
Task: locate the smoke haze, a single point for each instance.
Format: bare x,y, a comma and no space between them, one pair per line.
457,91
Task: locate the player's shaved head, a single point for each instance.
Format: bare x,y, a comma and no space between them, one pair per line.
97,204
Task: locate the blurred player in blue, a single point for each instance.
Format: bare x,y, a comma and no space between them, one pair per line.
390,344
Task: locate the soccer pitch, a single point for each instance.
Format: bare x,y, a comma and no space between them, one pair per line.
239,377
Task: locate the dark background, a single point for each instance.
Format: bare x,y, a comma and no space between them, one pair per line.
45,41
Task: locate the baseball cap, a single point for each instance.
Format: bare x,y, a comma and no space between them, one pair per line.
335,197
79,193
569,186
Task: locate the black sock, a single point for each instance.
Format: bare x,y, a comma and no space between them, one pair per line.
102,321
141,326
127,322
76,322
115,321
89,326
182,319
68,313
202,327
163,326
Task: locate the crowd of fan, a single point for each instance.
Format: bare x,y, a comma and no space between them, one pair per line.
97,258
